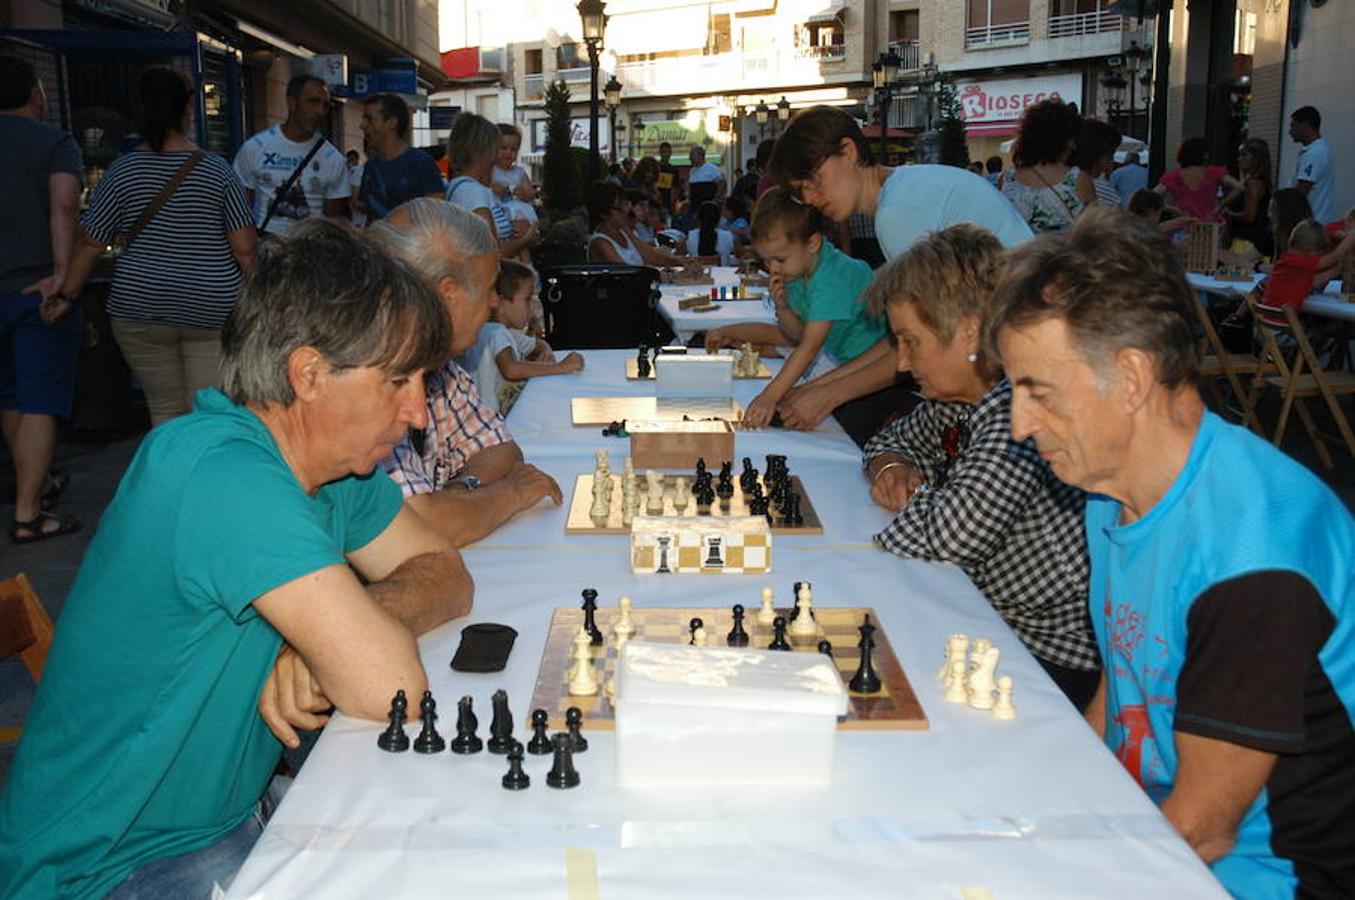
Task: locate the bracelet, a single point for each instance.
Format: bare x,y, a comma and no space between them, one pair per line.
885,468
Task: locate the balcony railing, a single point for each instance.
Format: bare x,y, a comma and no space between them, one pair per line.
579,73
533,87
997,35
908,54
825,53
1080,24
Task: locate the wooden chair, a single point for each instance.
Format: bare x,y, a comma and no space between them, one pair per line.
1300,378
25,627
1216,362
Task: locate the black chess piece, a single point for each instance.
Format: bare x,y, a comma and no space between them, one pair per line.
700,468
737,636
590,606
394,739
793,516
501,726
466,741
727,470
574,722
779,641
704,497
539,745
866,681
429,741
516,779
826,648
694,624
748,477
562,773
642,366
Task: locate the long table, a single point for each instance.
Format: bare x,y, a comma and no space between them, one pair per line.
1035,807
686,322
1328,302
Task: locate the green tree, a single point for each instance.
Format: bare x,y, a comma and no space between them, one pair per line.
562,186
951,147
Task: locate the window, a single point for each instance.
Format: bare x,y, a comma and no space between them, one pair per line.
997,22
903,25
532,62
571,56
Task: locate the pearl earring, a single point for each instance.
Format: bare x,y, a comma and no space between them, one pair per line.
973,357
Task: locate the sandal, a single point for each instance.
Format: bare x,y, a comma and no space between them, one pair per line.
65,525
57,482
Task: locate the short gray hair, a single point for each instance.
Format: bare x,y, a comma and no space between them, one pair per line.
328,287
471,140
437,238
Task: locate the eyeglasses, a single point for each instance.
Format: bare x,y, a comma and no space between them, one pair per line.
797,191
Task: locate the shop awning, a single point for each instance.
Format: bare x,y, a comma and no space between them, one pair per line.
833,13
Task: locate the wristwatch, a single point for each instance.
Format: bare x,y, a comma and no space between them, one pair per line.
469,482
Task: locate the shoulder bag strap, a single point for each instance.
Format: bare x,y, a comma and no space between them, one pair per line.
286,186
166,192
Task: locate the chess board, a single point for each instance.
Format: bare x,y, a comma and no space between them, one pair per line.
606,410
633,371
581,503
894,707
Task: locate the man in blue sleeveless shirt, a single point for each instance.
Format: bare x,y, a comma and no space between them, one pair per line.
1222,588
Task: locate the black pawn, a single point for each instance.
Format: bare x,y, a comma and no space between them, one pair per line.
501,726
590,606
691,628
866,681
539,745
394,739
826,648
429,741
562,773
466,740
705,496
516,779
737,636
779,641
574,722
642,362
793,516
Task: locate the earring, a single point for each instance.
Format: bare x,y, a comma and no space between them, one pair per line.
973,357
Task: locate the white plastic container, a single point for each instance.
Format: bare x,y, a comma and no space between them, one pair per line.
725,716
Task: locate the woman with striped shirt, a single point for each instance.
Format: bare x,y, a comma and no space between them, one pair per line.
472,148
179,277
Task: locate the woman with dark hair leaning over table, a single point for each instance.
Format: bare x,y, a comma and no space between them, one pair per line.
611,241
962,490
825,160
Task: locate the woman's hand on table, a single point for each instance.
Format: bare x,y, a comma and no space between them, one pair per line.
291,699
895,485
759,413
803,408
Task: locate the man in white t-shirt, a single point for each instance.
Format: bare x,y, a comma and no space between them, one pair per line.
267,160
705,181
1313,174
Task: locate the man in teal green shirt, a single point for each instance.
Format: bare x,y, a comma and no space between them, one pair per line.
216,609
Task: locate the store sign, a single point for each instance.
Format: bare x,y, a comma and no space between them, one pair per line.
367,82
1002,101
578,134
440,117
332,68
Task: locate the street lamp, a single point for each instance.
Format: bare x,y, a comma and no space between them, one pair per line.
594,24
612,92
761,112
1114,83
884,72
783,112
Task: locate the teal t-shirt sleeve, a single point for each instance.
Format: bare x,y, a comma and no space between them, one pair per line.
246,527
834,294
364,506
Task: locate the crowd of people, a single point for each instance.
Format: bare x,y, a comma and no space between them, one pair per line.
1020,372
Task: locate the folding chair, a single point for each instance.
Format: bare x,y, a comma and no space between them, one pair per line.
1216,362
601,305
25,627
1297,385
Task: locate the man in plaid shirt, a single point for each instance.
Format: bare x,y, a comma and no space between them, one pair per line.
463,473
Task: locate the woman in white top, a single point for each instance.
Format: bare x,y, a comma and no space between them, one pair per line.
1046,189
472,147
611,241
707,238
509,180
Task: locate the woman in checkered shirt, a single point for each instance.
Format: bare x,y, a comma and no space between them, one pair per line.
961,489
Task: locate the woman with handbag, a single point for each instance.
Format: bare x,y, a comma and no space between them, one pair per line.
188,238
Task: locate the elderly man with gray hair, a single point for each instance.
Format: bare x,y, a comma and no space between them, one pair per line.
225,565
463,472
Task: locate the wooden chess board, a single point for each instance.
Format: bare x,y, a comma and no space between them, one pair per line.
606,410
580,522
894,707
633,371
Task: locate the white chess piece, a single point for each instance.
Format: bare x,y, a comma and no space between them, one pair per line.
654,502
981,646
628,468
602,464
956,688
766,615
957,645
630,500
803,623
1003,708
981,680
601,509
682,495
700,637
582,680
624,625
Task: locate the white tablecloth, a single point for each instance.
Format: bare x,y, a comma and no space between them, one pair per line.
1035,807
687,323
